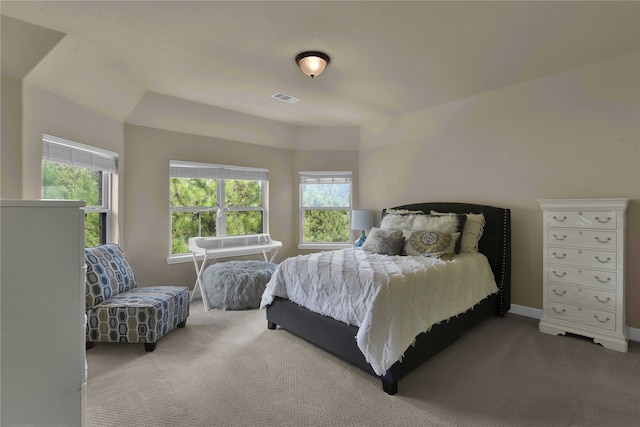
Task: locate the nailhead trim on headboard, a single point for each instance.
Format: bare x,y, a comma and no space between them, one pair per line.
505,228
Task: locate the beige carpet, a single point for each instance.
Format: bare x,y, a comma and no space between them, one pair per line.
227,369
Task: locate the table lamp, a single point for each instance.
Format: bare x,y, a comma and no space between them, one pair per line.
361,220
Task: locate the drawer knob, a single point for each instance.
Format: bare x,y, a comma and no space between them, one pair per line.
602,261
561,311
602,301
559,293
601,321
603,221
555,273
559,219
560,256
607,280
607,240
564,236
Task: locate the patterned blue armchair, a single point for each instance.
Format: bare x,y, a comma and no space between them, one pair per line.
119,311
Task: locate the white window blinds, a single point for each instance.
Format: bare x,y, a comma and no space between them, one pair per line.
181,169
325,177
60,150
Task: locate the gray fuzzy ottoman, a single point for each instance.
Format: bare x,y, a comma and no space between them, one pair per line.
236,285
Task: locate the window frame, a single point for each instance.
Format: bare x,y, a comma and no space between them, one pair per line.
220,173
71,153
333,175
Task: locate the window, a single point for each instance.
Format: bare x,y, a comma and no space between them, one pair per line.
215,200
325,206
74,171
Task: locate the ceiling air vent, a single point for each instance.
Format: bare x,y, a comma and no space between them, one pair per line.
284,97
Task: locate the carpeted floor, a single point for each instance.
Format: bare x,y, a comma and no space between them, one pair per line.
226,369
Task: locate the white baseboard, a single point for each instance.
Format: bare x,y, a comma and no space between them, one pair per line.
523,310
536,313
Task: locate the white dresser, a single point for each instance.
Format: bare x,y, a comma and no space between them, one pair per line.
42,357
583,259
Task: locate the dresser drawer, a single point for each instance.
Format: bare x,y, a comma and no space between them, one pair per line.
582,315
600,239
605,220
582,296
582,257
582,276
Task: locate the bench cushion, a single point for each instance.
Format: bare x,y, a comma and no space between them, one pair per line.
138,315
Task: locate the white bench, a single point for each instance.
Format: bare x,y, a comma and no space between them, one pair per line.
212,248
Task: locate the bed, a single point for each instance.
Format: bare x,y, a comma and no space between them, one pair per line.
337,337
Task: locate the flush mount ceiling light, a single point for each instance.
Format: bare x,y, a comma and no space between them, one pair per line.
312,63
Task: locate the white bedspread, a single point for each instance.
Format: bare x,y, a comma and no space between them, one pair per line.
391,298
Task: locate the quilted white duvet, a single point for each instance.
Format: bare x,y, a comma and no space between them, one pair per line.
392,299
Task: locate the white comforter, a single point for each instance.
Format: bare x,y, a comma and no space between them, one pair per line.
391,298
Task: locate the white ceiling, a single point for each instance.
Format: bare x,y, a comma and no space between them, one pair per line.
387,58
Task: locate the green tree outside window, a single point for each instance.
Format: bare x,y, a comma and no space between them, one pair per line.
197,209
65,182
326,207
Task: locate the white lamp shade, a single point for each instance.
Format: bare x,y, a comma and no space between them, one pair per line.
361,219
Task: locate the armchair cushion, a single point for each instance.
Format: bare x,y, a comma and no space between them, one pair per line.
139,315
108,273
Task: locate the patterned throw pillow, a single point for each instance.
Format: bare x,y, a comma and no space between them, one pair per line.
431,243
376,234
447,223
389,246
443,223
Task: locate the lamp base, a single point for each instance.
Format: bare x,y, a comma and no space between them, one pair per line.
360,241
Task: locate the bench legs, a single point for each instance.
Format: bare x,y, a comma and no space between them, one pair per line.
148,346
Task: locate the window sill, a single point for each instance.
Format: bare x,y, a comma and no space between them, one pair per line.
324,246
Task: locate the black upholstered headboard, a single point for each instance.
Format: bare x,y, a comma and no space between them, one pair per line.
495,243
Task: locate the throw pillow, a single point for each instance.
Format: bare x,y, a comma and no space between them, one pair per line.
431,243
377,233
389,246
473,230
397,221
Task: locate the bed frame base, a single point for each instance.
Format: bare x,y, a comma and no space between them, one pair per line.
338,338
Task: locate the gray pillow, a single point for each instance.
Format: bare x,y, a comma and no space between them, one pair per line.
375,234
389,245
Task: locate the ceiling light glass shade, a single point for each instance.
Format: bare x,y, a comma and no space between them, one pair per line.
312,63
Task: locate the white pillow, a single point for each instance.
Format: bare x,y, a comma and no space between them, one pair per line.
441,223
473,230
397,222
402,211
